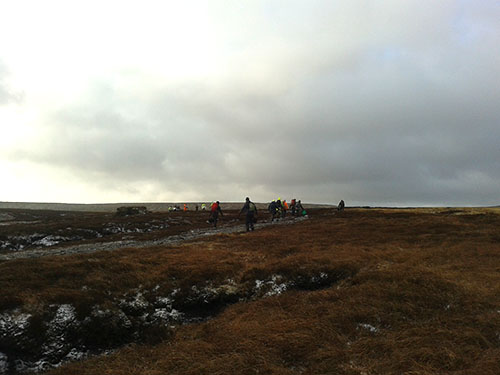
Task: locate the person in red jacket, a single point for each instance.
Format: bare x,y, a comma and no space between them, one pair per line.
214,213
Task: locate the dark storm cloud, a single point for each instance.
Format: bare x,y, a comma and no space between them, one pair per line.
400,108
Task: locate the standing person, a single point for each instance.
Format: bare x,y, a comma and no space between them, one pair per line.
279,207
293,205
274,209
284,208
185,207
214,213
341,205
251,213
300,209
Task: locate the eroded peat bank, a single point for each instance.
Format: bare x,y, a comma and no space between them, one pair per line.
368,291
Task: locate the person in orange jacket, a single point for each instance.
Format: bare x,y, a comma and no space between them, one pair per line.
284,208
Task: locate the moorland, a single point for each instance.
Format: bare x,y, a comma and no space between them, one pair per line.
365,291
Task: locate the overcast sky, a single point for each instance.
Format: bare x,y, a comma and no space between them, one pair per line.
374,102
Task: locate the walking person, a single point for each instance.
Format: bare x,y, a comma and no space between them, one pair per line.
274,210
341,205
214,213
251,213
300,209
293,206
284,208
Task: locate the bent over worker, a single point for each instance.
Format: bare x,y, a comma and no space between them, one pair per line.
251,213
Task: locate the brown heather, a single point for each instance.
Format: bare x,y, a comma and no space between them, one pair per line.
418,292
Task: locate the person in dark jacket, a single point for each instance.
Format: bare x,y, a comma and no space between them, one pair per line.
274,209
341,205
251,213
214,213
300,209
293,206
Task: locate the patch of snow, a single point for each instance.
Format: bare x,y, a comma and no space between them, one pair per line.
42,365
276,287
13,324
138,302
320,277
273,286
26,366
64,317
14,243
5,217
4,363
368,327
124,320
163,301
98,313
76,355
57,344
167,315
108,314
5,245
21,366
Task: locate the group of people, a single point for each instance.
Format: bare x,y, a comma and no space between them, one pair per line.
277,209
249,208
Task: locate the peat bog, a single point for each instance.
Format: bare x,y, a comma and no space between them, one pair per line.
368,291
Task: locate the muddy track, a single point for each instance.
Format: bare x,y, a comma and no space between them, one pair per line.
165,241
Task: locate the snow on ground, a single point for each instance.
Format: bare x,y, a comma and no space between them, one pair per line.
6,217
4,365
129,313
272,287
368,327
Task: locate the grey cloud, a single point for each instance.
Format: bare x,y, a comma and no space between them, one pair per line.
399,108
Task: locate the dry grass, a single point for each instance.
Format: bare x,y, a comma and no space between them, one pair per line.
418,292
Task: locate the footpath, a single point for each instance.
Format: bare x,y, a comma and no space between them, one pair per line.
164,241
